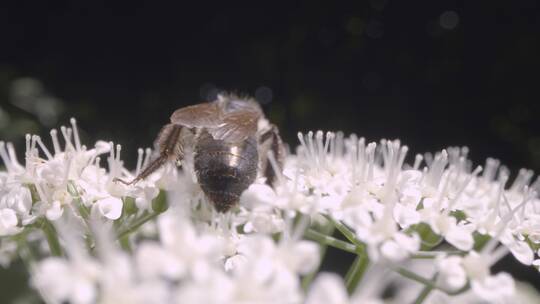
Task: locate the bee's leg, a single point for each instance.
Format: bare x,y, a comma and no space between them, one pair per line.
169,143
271,141
153,166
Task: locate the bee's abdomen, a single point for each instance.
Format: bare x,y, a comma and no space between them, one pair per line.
224,170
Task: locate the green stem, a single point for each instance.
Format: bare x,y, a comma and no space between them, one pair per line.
159,205
419,256
356,272
77,201
434,254
52,237
415,277
331,241
360,264
319,236
422,296
24,250
137,223
125,243
428,282
348,233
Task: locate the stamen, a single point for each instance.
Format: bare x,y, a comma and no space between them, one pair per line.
417,161
41,193
444,191
96,163
502,183
147,157
43,147
140,153
110,160
56,143
311,148
340,144
428,158
436,169
68,168
360,160
536,184
27,138
66,136
524,177
464,186
302,142
118,149
117,161
371,159
75,133
34,151
329,137
393,156
491,169
492,243
320,147
275,166
12,155
5,157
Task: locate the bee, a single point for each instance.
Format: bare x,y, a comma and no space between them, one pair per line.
229,140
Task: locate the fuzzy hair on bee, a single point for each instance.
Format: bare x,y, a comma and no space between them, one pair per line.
229,139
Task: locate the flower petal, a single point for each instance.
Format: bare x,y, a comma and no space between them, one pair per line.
55,211
327,289
110,207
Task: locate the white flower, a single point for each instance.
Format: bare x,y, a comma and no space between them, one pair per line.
216,289
154,261
59,281
55,211
16,197
259,214
452,275
144,196
494,289
327,289
406,216
192,251
258,196
8,222
110,207
8,251
454,272
255,253
294,257
400,247
330,288
458,235
521,251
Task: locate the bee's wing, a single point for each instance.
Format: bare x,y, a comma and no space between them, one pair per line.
236,126
204,115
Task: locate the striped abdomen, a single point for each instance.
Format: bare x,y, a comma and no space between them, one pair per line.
224,170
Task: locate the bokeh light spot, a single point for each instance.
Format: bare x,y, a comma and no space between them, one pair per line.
449,20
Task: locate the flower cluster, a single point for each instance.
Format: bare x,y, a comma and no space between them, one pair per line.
87,239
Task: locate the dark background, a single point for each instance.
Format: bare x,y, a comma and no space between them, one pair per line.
432,73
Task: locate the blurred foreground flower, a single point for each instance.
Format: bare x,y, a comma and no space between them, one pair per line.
87,239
